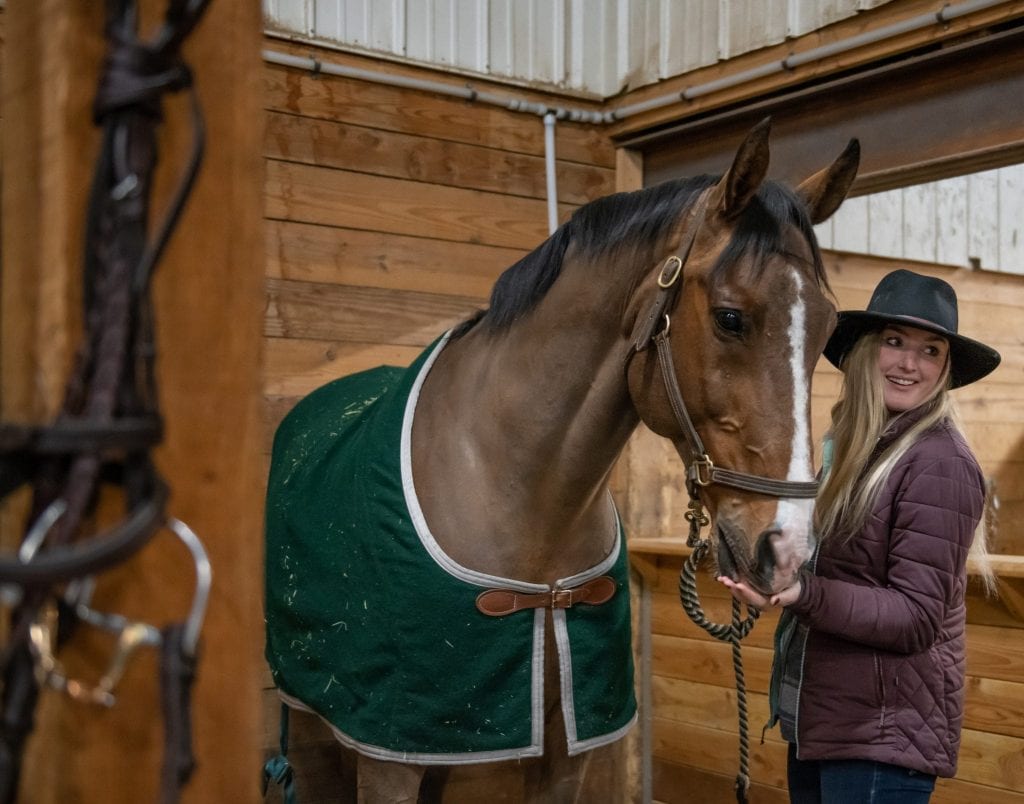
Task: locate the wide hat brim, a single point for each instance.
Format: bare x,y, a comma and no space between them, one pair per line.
970,360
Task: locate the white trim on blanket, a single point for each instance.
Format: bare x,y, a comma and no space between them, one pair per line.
536,749
436,552
537,681
561,630
580,746
412,502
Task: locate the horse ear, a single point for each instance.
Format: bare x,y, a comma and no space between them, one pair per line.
825,190
749,167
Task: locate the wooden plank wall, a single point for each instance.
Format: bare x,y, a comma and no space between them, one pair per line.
693,725
973,220
389,214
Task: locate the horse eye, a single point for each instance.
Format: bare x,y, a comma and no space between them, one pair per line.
729,320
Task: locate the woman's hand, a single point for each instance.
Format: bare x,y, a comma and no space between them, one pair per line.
788,596
745,594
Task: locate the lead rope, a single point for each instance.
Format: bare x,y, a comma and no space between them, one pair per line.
732,633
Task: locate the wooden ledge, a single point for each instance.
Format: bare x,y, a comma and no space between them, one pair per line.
1004,566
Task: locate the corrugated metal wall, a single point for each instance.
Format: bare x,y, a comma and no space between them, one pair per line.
597,47
969,221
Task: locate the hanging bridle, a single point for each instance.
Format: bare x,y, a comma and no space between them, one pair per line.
110,421
702,472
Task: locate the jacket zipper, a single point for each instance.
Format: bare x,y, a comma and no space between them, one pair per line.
881,689
803,655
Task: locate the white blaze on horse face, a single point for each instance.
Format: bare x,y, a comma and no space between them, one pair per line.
793,543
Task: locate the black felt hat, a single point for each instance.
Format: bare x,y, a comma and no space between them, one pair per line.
925,302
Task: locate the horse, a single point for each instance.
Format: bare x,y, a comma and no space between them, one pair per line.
698,307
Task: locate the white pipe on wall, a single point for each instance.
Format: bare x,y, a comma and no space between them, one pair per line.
549,171
465,92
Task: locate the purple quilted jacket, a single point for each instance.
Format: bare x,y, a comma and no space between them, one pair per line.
883,671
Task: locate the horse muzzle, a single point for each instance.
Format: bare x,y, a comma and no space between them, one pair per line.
768,567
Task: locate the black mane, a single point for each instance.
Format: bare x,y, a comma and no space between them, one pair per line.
643,217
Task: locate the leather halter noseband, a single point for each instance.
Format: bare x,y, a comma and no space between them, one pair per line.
700,469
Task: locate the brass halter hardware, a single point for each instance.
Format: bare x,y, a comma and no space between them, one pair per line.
670,272
705,463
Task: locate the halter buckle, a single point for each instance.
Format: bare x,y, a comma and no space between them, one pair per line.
696,465
670,272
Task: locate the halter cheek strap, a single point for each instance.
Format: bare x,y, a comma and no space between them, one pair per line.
701,470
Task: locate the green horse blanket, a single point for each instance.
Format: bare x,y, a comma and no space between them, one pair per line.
370,625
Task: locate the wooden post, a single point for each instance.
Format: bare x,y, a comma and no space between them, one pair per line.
209,306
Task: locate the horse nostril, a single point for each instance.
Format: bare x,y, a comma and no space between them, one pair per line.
764,552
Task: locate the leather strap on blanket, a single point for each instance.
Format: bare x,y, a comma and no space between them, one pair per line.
499,602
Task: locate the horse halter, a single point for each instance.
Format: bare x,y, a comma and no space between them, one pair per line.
701,471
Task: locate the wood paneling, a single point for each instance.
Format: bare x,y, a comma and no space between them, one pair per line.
675,783
968,221
354,257
427,159
293,365
716,751
311,194
422,114
365,315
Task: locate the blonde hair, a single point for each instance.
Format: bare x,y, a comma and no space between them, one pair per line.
859,418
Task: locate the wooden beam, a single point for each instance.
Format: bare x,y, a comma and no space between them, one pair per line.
748,93
899,111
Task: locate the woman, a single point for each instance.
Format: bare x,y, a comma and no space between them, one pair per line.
869,670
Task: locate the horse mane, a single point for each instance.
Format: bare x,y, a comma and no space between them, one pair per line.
643,218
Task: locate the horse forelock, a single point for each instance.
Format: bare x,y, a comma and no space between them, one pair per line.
761,233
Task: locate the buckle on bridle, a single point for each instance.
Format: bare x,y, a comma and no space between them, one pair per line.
703,462
670,272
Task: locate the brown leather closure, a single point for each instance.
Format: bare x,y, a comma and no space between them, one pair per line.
499,602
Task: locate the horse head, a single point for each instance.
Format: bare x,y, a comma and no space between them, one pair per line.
739,313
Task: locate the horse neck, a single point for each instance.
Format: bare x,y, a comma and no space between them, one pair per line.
549,395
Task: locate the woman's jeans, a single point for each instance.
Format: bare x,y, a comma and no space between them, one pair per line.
855,781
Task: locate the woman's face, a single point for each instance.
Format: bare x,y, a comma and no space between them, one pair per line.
911,361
